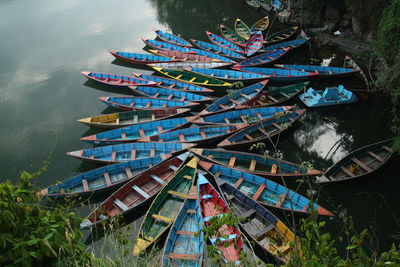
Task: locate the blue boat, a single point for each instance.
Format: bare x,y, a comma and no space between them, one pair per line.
262,131
217,49
243,115
229,75
288,44
203,134
254,44
144,103
328,97
323,71
165,46
137,58
202,52
127,152
174,84
279,75
172,38
116,80
184,247
171,94
224,43
101,180
135,132
263,58
235,98
263,190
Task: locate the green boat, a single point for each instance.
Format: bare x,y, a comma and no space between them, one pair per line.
242,29
279,94
231,35
165,207
280,36
253,4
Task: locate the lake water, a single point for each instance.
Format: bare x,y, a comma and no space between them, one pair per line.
45,44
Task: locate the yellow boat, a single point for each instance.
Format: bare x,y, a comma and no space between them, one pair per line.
242,29
260,25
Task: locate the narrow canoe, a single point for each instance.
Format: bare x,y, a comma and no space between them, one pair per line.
276,95
260,25
264,191
358,163
263,58
165,207
222,42
351,46
174,84
278,74
127,118
313,31
181,56
243,115
266,4
199,135
171,38
271,168
212,206
254,44
280,36
127,152
218,50
262,131
101,180
135,132
242,29
159,45
231,35
255,4
228,75
190,64
144,103
166,93
212,55
260,224
288,44
190,77
184,247
235,98
135,192
116,79
323,71
137,58
350,63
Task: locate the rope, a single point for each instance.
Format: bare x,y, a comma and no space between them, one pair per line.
270,26
319,13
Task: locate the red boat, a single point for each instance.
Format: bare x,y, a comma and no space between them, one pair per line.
254,44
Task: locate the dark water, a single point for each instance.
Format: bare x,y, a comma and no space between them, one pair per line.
45,44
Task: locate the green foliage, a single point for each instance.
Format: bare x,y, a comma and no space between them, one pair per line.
367,12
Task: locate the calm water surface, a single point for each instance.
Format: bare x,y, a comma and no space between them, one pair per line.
45,44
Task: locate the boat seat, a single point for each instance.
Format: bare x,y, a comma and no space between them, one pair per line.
330,94
120,205
128,172
85,185
162,218
184,232
172,167
206,196
182,256
387,149
230,237
191,211
248,213
177,194
158,179
187,177
229,197
376,156
281,199
152,152
107,178
259,191
133,153
264,231
274,168
140,191
238,182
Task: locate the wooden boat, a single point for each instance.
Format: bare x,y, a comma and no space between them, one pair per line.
123,119
285,45
242,97
350,63
199,135
116,79
351,46
135,192
253,4
279,75
263,58
181,56
184,247
335,95
127,152
264,191
277,5
165,207
323,71
190,77
174,84
242,115
171,38
358,163
266,4
231,35
263,227
135,132
101,180
212,206
271,168
278,94
222,42
218,50
260,25
228,75
242,29
166,93
254,44
261,131
137,58
317,29
144,103
190,64
159,45
280,36
215,56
